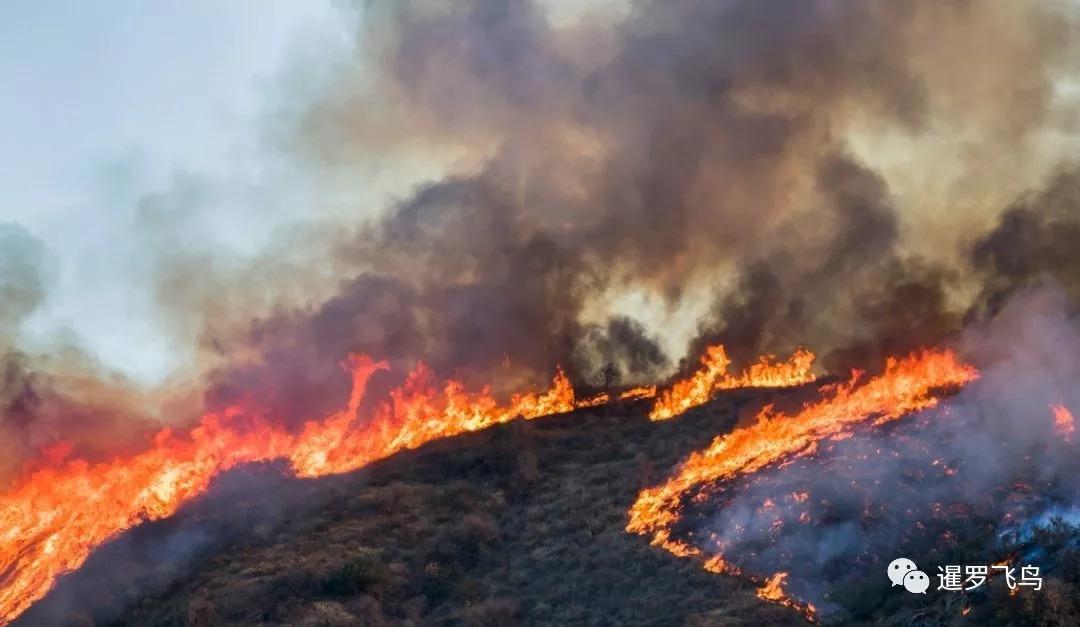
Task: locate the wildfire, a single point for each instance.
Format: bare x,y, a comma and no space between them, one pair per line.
55,516
1064,423
907,385
773,590
593,401
633,394
712,376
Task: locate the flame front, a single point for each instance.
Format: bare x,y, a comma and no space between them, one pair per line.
773,590
633,394
907,385
712,376
55,516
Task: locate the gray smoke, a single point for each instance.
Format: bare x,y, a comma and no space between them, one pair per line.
45,399
683,144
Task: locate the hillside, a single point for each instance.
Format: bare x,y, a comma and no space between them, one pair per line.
522,523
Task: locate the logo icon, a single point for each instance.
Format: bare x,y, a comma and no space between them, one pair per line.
916,582
904,572
899,568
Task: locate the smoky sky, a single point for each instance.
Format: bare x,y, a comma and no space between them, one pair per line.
697,152
688,144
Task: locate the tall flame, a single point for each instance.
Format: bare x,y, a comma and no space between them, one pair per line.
712,376
53,517
906,385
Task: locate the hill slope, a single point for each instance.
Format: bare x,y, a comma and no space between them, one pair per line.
522,523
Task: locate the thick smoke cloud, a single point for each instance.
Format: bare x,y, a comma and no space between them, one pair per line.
46,399
682,145
857,297
699,153
1033,240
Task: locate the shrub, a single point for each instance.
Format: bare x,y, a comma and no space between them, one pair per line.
359,574
490,613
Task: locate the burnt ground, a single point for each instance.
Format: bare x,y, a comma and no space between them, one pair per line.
518,524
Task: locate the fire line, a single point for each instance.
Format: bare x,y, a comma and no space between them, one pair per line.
907,385
54,516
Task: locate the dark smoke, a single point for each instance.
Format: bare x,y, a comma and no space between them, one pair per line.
1034,240
688,143
623,341
855,295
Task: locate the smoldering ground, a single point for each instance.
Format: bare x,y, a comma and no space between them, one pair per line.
989,461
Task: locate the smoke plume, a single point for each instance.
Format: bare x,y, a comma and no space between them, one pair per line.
699,152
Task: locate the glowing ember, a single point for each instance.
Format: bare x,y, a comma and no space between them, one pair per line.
713,376
645,391
1064,423
55,516
593,401
907,385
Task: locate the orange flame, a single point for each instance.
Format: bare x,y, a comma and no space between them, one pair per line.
1064,423
712,376
773,590
593,401
906,385
645,391
52,518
